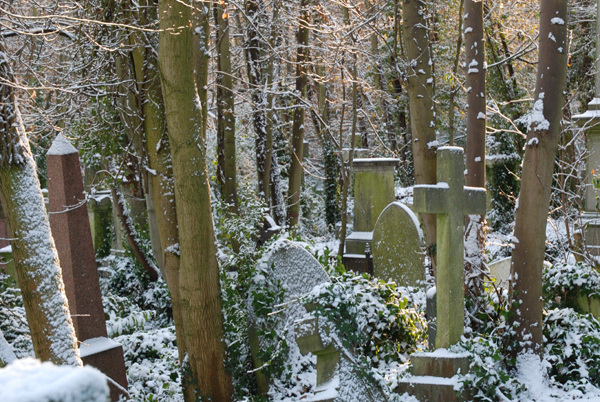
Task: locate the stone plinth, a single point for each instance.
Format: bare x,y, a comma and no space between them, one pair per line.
104,354
432,374
70,226
373,190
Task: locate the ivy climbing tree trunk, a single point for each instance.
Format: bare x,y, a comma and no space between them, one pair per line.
536,181
35,256
185,112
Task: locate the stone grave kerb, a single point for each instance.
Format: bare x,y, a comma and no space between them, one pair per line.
450,200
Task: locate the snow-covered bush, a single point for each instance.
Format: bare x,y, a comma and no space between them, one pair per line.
564,282
572,348
13,321
374,318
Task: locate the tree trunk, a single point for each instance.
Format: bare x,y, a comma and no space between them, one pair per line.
538,164
475,153
256,77
185,112
225,111
35,256
421,105
297,151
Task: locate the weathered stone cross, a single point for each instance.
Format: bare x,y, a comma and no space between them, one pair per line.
451,201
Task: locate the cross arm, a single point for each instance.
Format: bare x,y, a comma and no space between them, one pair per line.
474,201
430,199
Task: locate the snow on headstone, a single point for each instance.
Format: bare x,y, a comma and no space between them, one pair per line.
297,272
61,146
397,246
29,380
73,237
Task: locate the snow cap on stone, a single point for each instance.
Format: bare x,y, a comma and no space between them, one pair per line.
61,146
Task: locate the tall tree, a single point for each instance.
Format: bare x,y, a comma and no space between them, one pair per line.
476,126
186,111
258,80
35,256
226,174
421,105
536,181
297,142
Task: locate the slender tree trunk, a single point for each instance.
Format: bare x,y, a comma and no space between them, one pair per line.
35,256
225,111
331,163
297,151
420,91
254,58
161,192
538,164
475,153
186,111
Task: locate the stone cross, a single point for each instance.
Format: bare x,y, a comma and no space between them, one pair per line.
70,226
451,201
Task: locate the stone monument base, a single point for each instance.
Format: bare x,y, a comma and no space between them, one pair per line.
432,376
357,241
107,356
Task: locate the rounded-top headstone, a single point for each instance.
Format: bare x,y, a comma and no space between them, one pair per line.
397,246
293,268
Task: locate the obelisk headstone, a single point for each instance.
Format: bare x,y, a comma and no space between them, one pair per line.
73,238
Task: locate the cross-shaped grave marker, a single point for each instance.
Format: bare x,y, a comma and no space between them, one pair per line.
451,201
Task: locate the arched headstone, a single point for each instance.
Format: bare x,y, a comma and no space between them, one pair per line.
397,249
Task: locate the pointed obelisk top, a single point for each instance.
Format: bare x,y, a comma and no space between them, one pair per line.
61,146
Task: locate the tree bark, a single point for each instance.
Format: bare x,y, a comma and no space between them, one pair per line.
475,152
254,51
538,164
225,111
297,151
421,105
185,112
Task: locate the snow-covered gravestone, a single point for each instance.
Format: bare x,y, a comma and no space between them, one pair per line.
451,201
397,246
70,226
290,267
